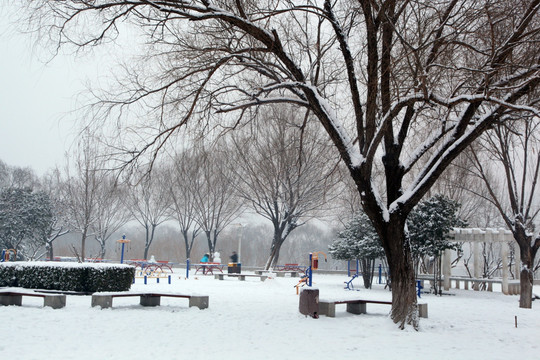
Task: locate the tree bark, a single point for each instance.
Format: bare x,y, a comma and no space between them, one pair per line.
526,275
404,305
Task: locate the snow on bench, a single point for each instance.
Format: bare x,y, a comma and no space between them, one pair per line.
14,297
104,300
358,306
241,277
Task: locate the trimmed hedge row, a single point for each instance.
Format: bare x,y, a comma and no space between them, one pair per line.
86,277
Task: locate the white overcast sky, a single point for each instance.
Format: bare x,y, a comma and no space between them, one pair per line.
37,100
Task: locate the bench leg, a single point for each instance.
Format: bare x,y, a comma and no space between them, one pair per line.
294,274
56,301
242,278
199,301
105,301
150,300
263,277
356,308
11,300
422,310
327,308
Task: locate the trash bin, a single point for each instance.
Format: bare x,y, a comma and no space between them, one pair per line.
309,302
234,268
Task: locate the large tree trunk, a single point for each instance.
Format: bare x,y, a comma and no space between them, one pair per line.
526,276
274,251
367,273
404,306
187,244
402,278
528,249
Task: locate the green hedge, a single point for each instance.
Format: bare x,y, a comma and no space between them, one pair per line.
87,277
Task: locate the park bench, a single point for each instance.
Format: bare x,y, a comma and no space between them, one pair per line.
358,306
278,273
14,297
290,267
147,299
241,277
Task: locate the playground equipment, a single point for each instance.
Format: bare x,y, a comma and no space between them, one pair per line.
348,284
307,278
123,241
152,270
6,255
314,265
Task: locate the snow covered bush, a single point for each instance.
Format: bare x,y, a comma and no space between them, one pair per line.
67,277
359,240
429,226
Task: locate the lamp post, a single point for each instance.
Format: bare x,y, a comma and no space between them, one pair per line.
240,241
123,241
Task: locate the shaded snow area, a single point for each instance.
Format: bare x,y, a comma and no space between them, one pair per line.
260,320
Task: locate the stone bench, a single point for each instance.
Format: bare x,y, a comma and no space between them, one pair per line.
147,299
14,297
358,306
278,273
241,277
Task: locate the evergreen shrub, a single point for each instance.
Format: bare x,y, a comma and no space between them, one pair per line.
85,277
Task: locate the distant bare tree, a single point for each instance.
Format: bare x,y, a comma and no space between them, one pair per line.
216,203
111,211
18,177
148,203
512,150
285,173
182,179
81,183
60,224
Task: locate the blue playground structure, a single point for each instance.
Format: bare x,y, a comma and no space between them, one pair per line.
349,284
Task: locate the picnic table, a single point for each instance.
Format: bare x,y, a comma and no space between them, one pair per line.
209,268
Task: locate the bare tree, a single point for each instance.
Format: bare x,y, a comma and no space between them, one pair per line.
285,173
111,211
80,185
374,73
216,203
148,203
182,178
513,149
52,185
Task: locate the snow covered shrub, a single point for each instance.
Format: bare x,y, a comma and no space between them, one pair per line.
7,276
67,276
359,241
112,278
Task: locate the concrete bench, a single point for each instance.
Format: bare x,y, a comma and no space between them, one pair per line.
358,306
278,273
13,297
241,277
147,299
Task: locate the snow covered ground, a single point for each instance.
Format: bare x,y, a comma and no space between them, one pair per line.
260,320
